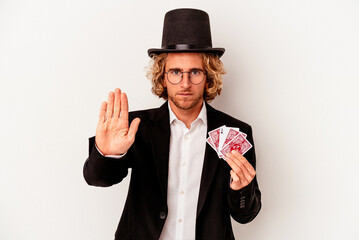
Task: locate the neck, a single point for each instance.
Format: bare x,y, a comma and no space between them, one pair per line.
187,116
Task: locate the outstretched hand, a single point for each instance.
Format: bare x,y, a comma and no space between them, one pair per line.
113,134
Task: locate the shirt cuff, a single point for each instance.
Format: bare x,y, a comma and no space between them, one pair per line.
110,156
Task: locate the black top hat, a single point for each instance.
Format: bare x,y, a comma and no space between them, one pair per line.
186,30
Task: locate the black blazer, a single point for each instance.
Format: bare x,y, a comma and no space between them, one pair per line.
145,211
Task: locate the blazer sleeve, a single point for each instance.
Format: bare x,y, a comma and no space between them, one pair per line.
245,204
104,171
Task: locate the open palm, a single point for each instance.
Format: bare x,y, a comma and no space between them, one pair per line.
113,134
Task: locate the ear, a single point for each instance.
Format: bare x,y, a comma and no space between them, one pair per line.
164,84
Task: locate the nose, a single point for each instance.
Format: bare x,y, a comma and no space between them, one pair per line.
186,83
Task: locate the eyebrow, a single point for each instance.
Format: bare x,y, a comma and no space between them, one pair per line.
181,69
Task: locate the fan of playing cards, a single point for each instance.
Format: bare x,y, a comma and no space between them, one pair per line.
225,139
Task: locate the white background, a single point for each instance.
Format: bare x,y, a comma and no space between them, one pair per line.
293,72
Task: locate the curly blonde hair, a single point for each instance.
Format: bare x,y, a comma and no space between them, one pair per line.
213,67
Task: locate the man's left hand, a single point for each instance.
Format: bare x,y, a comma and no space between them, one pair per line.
242,172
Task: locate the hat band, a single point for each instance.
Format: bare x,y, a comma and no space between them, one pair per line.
185,47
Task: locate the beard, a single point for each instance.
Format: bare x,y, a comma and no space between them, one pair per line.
186,105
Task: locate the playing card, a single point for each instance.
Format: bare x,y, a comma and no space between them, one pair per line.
239,143
214,135
245,135
226,134
225,139
231,133
210,142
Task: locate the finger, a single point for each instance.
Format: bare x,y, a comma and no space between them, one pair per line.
240,169
133,129
124,108
117,107
237,169
236,183
233,162
101,117
109,111
244,161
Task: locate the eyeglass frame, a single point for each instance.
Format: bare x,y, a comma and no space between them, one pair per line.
189,76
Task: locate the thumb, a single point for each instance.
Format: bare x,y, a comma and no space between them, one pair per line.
234,176
133,129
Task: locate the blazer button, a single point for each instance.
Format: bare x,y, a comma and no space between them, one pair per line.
162,215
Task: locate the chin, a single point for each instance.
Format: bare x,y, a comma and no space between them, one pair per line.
185,104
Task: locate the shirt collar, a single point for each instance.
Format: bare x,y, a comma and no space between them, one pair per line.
202,114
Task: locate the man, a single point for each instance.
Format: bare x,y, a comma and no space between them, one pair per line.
179,187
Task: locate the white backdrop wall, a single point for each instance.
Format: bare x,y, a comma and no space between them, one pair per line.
293,71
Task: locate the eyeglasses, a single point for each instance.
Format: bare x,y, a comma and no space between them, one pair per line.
175,76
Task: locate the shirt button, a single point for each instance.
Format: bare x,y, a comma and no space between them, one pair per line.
182,192
180,220
186,137
162,215
184,164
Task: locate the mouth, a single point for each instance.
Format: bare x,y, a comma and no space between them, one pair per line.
184,94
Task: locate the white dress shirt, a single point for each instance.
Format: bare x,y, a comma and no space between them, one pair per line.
186,156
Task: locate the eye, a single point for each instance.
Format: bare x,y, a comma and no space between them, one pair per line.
175,72
195,72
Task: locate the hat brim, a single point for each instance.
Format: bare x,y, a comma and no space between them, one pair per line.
156,51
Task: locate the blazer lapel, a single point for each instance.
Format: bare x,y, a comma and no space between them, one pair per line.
160,145
211,159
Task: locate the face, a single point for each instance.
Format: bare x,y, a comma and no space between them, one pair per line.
185,95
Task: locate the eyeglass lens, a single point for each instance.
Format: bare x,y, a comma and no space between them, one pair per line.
175,76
